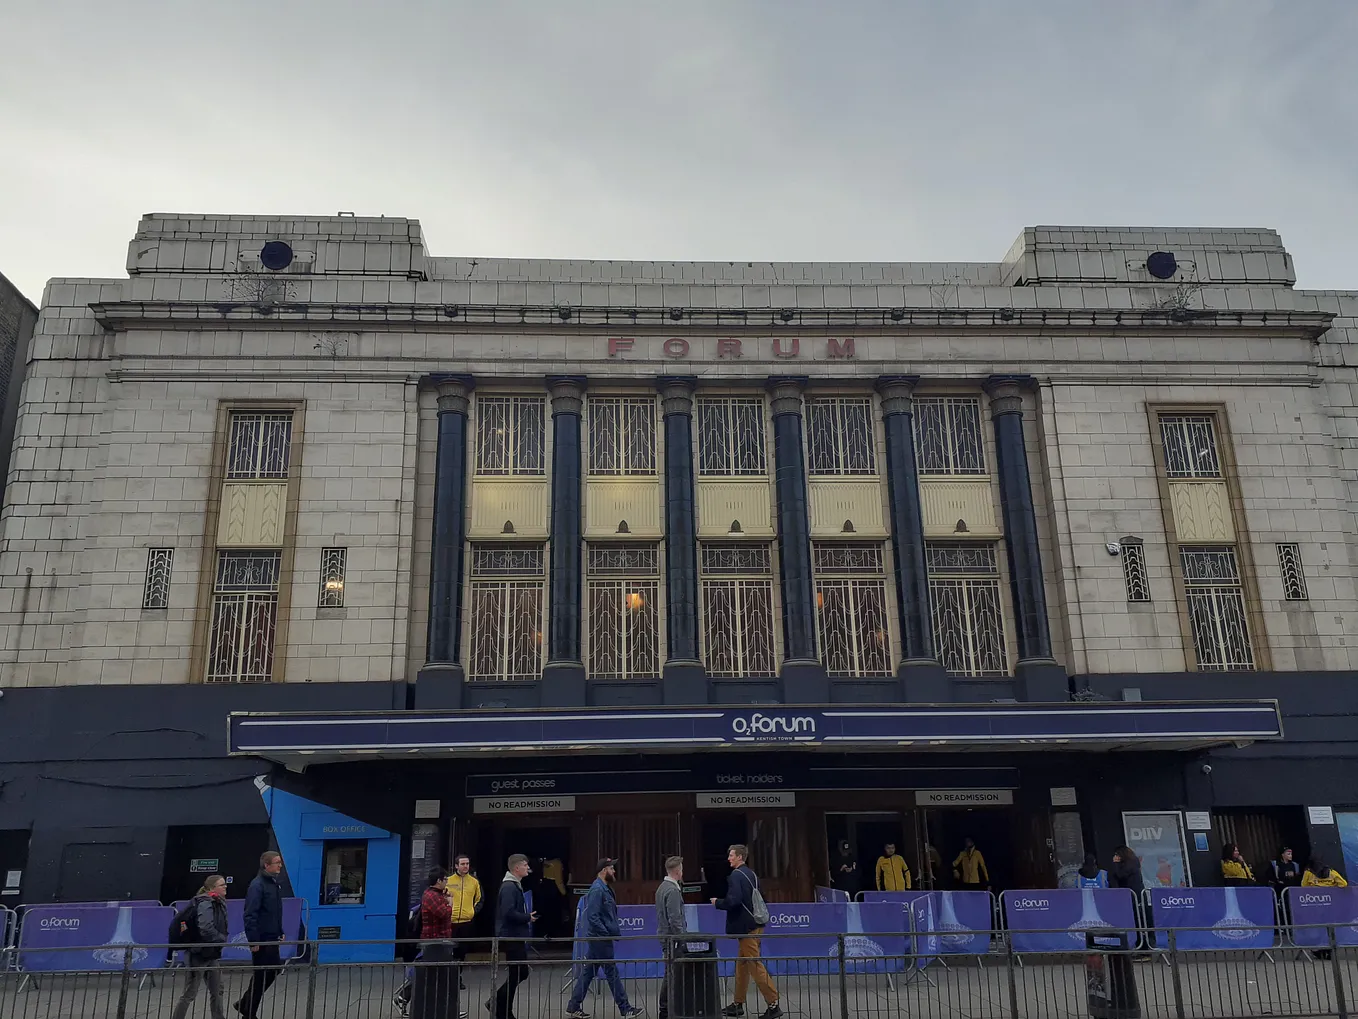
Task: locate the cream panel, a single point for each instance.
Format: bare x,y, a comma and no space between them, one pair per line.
499,501
945,501
252,514
611,502
843,500
1202,511
722,502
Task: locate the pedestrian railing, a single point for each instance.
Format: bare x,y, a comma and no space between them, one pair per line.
1113,974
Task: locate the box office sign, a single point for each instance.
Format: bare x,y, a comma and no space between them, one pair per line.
522,804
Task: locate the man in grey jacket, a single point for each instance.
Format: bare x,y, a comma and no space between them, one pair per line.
669,922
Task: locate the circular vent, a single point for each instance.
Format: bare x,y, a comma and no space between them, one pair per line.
276,255
1162,265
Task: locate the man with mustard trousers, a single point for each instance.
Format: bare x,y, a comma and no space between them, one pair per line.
893,873
464,893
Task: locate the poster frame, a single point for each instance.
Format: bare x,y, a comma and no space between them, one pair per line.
1179,825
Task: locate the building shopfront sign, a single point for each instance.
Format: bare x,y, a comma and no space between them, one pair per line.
964,798
522,804
732,348
747,800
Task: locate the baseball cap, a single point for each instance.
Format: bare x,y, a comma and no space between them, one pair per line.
604,862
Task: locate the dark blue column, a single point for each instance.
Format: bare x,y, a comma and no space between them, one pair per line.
1037,675
563,678
684,680
803,676
923,679
439,683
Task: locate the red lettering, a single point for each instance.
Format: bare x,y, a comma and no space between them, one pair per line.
728,346
676,346
834,348
778,350
617,344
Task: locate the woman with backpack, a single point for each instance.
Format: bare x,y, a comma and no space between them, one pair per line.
203,926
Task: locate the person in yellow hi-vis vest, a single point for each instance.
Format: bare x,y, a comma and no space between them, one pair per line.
969,867
893,873
464,894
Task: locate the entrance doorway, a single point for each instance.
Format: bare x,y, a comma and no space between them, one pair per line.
719,834
192,852
868,835
994,833
547,844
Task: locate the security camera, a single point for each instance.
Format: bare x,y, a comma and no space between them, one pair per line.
1207,769
1113,548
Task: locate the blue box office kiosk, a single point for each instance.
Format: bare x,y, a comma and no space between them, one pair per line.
346,870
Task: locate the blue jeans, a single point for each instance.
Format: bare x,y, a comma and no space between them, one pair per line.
600,959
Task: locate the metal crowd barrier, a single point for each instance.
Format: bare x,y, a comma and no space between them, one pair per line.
843,976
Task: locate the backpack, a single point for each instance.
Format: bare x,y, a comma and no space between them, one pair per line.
184,926
757,908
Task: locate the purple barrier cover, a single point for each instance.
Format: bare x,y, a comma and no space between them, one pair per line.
1056,919
824,894
237,950
875,942
1337,907
961,920
1237,917
64,938
638,952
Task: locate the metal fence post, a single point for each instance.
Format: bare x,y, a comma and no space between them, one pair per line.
312,969
843,980
126,983
1009,961
494,973
1175,976
1340,1004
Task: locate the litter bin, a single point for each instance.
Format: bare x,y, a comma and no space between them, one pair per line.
694,992
1109,978
433,992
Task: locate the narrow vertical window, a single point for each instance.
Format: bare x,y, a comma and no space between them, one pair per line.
333,561
964,591
839,436
244,617
851,609
507,597
1294,580
156,591
622,593
737,598
1216,608
1134,571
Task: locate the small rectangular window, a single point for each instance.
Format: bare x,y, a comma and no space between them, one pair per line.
839,436
505,609
1134,571
851,615
259,445
964,592
1190,446
244,617
622,593
345,878
156,591
731,437
333,561
1294,580
738,617
621,435
510,435
948,435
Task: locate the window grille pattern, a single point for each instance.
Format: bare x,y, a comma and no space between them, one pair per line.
259,445
244,617
731,437
621,435
155,592
622,599
737,593
333,562
1190,444
506,603
964,593
1294,580
851,612
1134,571
1216,608
948,435
840,436
510,435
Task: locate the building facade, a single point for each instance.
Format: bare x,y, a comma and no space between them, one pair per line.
17,319
315,537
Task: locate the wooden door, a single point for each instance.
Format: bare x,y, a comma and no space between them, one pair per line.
640,843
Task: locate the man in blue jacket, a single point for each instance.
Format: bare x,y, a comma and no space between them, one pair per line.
264,930
514,925
600,925
742,925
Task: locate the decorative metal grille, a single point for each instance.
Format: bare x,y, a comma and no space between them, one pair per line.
333,561
621,435
964,593
737,593
948,435
840,436
505,612
259,445
1190,442
851,612
1216,608
510,435
619,560
507,561
1134,571
622,595
155,592
1294,580
731,436
244,617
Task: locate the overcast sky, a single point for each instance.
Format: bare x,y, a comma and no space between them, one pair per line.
767,130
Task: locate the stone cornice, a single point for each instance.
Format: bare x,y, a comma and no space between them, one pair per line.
205,315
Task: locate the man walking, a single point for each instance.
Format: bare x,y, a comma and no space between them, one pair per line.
670,924
893,873
742,924
601,922
264,930
512,921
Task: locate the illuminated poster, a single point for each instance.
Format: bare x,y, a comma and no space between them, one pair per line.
1157,837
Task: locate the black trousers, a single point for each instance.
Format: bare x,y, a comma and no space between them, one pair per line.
434,995
267,966
516,955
